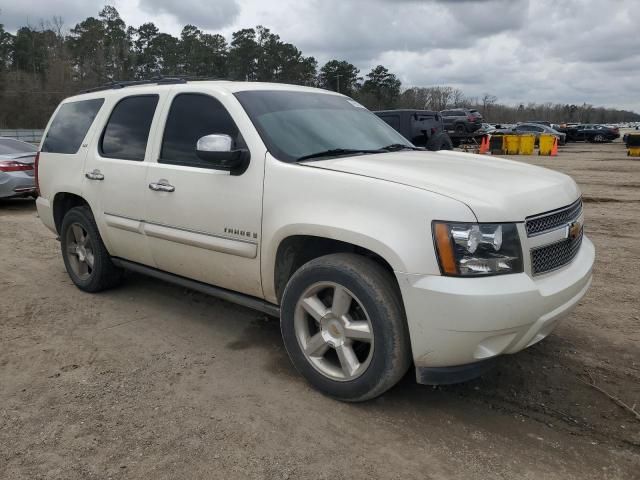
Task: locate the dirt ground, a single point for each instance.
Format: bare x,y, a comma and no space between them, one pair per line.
154,381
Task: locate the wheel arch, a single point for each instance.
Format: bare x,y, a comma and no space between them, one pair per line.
62,203
296,249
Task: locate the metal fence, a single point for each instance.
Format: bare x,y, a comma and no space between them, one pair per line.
26,135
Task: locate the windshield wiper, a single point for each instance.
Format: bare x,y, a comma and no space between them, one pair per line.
399,146
334,152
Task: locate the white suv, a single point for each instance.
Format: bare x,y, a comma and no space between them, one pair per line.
301,203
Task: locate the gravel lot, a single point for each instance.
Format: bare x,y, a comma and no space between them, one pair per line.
154,381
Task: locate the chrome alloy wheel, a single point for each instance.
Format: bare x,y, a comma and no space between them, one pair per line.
334,331
79,251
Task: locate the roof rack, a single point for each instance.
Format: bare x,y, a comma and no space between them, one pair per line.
151,81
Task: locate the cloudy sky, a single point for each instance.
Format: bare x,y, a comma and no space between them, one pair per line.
519,50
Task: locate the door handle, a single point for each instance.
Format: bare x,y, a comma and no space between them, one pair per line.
161,186
95,174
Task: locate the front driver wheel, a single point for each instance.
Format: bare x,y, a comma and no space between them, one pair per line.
343,326
85,257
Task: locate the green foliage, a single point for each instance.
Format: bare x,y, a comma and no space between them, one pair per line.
339,76
381,89
6,48
40,66
31,50
243,55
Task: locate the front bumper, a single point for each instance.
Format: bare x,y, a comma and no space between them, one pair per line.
460,321
16,184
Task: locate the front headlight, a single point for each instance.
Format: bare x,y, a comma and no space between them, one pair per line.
474,249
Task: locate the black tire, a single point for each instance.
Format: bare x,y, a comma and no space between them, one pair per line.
460,128
440,141
378,293
103,274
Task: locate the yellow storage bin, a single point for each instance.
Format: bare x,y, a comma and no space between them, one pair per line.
546,144
527,144
633,152
511,144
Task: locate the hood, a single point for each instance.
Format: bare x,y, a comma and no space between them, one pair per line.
497,190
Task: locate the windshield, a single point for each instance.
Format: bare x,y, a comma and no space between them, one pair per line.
296,124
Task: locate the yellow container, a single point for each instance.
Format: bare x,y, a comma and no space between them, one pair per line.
633,152
511,144
546,144
527,144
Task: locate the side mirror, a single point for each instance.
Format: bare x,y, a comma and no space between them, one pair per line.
216,149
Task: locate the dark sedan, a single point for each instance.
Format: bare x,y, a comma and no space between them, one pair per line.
591,133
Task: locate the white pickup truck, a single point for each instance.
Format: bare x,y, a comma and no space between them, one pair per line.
301,203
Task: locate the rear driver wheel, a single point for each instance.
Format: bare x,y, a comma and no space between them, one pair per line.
343,326
85,257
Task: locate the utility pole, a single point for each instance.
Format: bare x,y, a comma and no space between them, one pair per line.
338,82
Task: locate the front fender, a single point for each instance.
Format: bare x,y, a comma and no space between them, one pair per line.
387,218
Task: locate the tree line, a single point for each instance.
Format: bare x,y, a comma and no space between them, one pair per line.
39,66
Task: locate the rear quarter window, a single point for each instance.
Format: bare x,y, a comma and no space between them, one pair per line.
70,126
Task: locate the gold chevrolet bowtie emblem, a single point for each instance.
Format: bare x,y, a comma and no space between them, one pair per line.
574,229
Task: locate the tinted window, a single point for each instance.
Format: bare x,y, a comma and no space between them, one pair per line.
392,120
70,125
296,124
191,117
127,130
9,146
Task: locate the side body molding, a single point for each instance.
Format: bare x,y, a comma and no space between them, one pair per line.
208,241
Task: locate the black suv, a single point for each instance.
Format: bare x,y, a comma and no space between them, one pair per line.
461,120
423,128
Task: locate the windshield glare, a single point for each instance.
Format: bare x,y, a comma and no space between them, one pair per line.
295,124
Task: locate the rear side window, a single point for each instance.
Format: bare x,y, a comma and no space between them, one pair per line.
127,131
70,126
192,116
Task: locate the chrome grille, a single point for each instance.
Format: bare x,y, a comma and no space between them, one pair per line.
550,257
548,221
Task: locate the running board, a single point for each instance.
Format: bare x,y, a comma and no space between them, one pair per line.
221,293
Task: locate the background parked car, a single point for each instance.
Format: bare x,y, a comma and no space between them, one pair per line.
487,128
423,128
16,168
533,129
461,120
591,133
